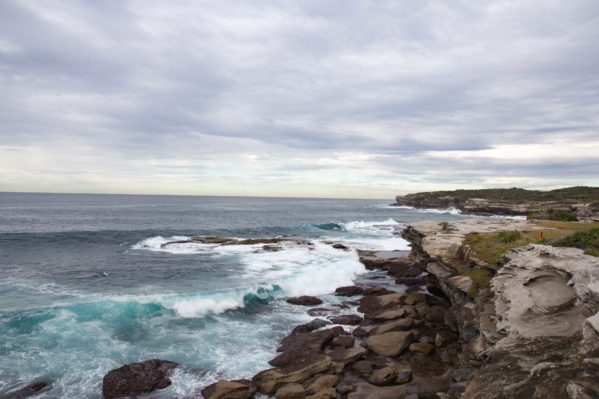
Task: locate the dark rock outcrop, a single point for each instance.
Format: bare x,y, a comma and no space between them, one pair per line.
137,378
27,391
304,300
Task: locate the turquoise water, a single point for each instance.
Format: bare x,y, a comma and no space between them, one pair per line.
87,287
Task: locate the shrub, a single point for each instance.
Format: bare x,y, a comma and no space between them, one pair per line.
507,237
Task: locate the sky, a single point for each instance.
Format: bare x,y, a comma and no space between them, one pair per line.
342,99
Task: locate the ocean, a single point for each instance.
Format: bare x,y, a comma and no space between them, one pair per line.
87,284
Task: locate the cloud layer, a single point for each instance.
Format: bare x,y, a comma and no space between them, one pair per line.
334,98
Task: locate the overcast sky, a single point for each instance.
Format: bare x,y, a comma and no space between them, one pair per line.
297,98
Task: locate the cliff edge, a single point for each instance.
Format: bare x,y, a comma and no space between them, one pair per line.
530,323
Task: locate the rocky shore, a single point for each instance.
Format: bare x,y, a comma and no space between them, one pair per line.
575,203
425,325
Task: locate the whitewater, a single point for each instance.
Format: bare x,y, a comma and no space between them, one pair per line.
91,282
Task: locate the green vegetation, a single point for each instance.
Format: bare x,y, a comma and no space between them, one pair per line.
553,214
586,240
490,247
578,193
481,278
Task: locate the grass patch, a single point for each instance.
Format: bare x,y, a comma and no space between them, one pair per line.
481,278
586,240
490,247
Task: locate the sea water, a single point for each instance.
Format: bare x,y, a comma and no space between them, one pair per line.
88,286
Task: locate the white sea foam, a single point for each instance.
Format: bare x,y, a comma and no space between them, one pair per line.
451,211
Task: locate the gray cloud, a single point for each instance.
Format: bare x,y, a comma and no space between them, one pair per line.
326,94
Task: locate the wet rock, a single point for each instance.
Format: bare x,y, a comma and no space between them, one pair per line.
384,376
268,381
314,312
422,348
32,389
360,332
291,391
241,389
344,341
347,356
272,248
322,383
310,326
296,347
348,319
375,303
377,290
389,344
137,378
362,367
304,300
349,290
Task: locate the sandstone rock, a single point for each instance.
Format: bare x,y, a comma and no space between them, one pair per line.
229,390
422,348
387,315
137,378
347,319
344,341
462,374
403,377
414,298
397,325
291,391
310,326
377,290
384,376
347,356
304,300
360,332
327,393
362,367
350,290
322,383
268,381
389,344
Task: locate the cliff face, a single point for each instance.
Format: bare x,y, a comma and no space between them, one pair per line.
469,203
533,329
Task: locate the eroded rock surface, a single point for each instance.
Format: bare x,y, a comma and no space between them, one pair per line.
137,378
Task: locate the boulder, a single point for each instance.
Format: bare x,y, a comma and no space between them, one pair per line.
310,326
137,378
347,356
389,344
304,300
241,389
291,391
386,315
422,348
346,319
377,290
396,325
360,332
268,381
384,376
344,341
327,393
296,347
349,290
321,383
314,312
362,367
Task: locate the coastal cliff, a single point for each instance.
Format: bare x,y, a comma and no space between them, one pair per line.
529,323
574,203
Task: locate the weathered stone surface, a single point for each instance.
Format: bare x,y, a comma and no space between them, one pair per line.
268,381
322,383
310,326
386,315
350,290
389,344
137,378
346,319
344,341
426,387
396,325
377,290
327,393
229,390
349,355
422,348
384,376
362,367
304,300
291,391
360,332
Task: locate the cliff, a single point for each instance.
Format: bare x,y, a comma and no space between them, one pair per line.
563,204
530,323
